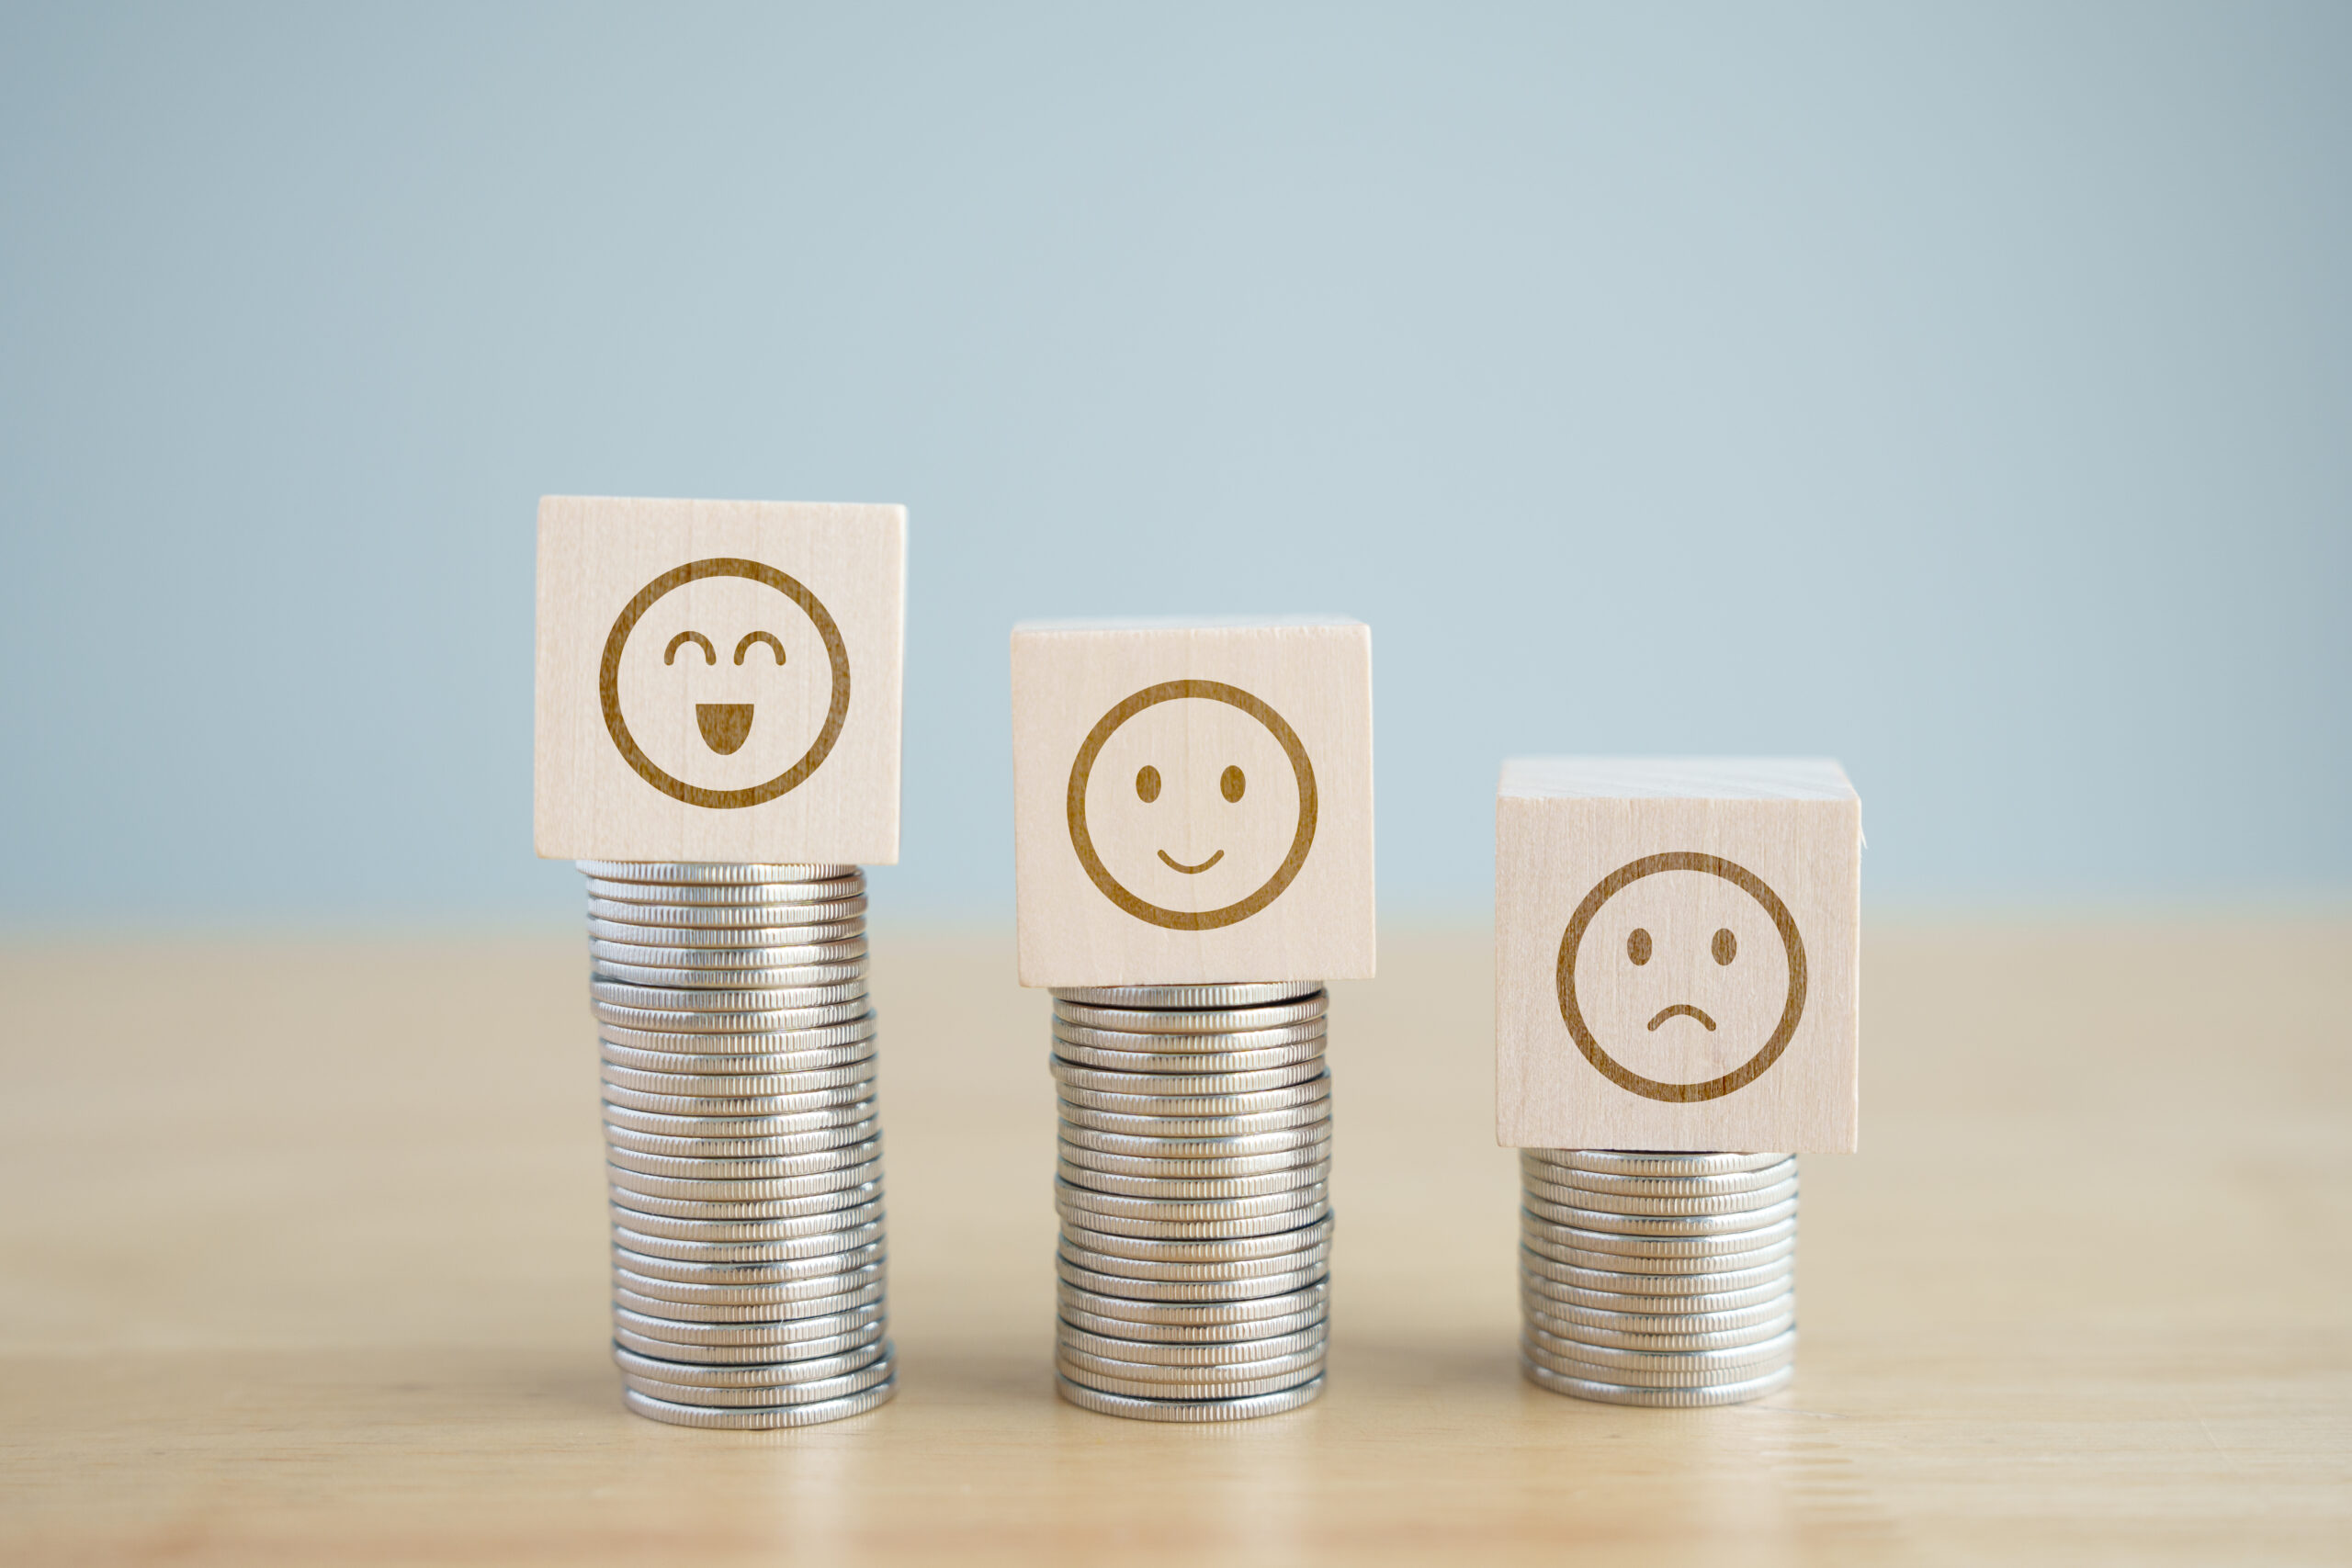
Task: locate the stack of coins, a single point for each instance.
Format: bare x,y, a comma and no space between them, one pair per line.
1658,1279
743,1142
1195,1216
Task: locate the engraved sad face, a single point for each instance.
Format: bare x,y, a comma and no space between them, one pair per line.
1191,804
1681,976
725,682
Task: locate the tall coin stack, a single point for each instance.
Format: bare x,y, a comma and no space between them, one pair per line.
1658,1279
1195,1215
743,1141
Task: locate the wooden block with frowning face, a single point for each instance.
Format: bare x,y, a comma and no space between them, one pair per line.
1677,955
1192,800
718,680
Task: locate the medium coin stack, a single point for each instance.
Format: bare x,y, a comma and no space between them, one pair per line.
1195,1215
1657,1279
742,1140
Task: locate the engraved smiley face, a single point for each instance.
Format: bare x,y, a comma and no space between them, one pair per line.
1191,804
1681,976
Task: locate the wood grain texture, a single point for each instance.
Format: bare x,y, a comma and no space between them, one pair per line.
307,1266
1677,958
719,680
1192,800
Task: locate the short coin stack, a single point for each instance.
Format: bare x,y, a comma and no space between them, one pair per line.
1195,1215
1658,1279
744,1143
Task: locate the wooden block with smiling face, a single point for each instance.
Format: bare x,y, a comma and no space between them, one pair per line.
1677,955
1192,800
718,680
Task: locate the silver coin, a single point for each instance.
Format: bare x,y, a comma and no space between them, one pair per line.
1569,1366
1725,1262
735,1086
1209,1189
752,1210
824,1068
1225,1353
826,891
777,1109
1236,1250
742,1189
1191,1021
772,1082
1246,1165
1187,1062
1073,1298
1095,1282
770,1292
1207,1336
723,961
1185,1083
820,1244
1691,1225
1189,1410
1658,1398
748,1374
1534,1290
711,1154
1141,1101
1619,1204
1656,1246
773,917
1222,994
778,1340
1655,1284
1532,1163
1068,1197
746,1233
1195,1230
710,874
798,979
1574,1322
1721,1339
1103,1383
1646,1369
809,1141
779,1020
1304,1259
782,999
746,1312
775,1273
1138,1043
810,1392
1150,1147
1309,1115
1181,1382
1654,1162
761,1420
720,1044
867,1341
708,941
738,1148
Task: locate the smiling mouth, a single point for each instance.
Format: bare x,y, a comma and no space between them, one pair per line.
1196,870
725,726
1685,1008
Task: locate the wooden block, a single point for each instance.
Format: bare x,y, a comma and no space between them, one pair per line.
719,680
1677,953
1192,800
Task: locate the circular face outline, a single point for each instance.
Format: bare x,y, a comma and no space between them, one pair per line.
608,682
1625,1078
1082,842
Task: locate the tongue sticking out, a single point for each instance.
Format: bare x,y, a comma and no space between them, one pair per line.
725,726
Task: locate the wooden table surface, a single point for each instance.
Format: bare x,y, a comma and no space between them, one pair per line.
305,1263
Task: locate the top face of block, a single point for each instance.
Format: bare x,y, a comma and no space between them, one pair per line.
718,680
1192,800
1677,955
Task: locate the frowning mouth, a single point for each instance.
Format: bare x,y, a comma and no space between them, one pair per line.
1196,870
1685,1008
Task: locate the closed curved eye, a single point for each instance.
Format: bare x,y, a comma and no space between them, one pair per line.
670,654
749,637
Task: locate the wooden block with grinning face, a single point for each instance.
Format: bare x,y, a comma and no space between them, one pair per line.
1677,955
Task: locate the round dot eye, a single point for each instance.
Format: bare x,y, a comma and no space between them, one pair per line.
1726,946
1147,783
1232,783
1637,946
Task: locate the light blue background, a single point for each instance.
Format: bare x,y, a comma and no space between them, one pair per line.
1964,392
